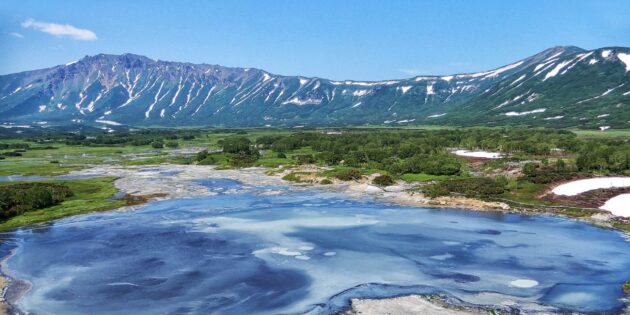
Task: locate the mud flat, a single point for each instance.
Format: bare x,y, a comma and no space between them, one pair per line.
176,181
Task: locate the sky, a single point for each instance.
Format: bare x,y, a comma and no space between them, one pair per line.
334,39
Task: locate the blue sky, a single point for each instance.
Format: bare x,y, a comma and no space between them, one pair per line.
341,39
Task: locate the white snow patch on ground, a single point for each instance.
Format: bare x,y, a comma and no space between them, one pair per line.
618,205
554,118
606,53
297,101
554,55
625,58
593,61
357,104
478,154
577,187
603,115
436,115
360,92
604,128
556,70
447,78
496,72
404,89
405,121
540,110
42,108
108,122
430,89
348,82
519,79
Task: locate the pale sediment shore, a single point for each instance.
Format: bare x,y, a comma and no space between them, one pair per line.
4,305
411,304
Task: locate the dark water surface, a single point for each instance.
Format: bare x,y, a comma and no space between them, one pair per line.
309,251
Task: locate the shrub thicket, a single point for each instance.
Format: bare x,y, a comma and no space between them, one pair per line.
16,199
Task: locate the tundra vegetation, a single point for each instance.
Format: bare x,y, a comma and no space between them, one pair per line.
532,158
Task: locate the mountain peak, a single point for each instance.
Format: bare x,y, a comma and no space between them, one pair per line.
541,90
126,58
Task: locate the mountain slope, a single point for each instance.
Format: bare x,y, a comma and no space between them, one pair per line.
561,86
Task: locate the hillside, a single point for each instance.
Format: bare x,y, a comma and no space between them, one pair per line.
559,87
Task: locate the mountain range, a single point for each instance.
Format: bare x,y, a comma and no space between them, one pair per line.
560,87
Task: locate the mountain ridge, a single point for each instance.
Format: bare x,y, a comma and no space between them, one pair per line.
107,89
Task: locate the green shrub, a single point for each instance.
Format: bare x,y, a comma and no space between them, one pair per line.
172,144
12,153
157,144
348,174
281,155
16,199
383,180
549,176
243,160
306,159
433,164
209,160
470,187
292,177
236,145
325,181
201,155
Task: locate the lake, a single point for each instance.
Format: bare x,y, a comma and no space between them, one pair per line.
244,251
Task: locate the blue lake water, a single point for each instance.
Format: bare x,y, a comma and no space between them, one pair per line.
309,252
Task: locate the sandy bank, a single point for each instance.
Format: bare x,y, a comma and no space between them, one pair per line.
401,192
412,304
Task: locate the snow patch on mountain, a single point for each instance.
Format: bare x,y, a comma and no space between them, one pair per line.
556,70
519,79
360,92
297,101
108,122
404,89
625,58
539,110
554,118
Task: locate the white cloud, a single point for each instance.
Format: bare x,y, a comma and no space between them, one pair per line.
15,34
60,30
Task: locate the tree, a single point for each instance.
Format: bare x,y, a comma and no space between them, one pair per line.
236,145
201,155
383,180
560,165
172,144
157,144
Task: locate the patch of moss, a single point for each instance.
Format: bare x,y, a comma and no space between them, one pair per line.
292,177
